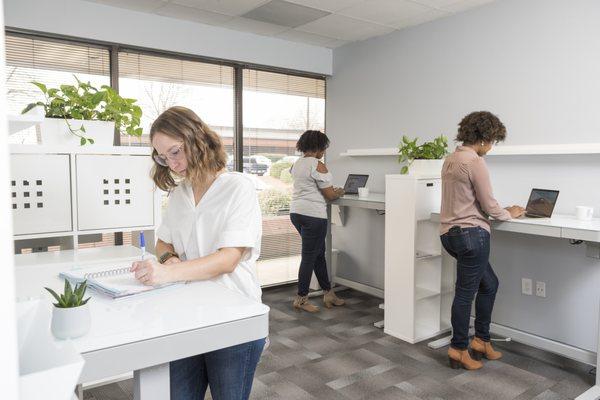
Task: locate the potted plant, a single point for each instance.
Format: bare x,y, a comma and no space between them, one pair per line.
84,114
71,313
424,159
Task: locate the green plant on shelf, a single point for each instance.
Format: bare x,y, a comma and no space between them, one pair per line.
85,102
408,151
71,297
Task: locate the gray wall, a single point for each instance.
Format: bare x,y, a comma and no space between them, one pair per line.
84,19
535,64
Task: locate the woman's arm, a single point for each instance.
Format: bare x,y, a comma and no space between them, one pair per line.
223,261
480,178
330,193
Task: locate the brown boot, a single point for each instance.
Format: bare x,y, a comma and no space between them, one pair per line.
330,299
482,348
462,358
302,303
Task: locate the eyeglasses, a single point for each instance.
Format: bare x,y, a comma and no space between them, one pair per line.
175,154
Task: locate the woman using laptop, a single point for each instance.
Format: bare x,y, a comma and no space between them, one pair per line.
467,205
308,213
211,231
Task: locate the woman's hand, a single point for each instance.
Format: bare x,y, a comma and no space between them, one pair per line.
515,211
151,273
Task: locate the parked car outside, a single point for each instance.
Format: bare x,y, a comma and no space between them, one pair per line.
253,166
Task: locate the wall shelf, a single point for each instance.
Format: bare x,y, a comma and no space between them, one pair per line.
500,150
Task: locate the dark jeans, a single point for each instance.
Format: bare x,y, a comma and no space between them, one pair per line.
313,232
228,372
471,249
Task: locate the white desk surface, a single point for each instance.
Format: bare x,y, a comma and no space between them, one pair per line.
559,226
374,201
162,313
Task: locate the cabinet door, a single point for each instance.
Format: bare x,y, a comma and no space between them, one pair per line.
41,193
114,191
429,197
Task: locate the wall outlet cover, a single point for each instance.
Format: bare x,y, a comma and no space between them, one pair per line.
527,286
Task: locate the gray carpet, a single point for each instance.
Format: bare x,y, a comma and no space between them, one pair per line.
338,354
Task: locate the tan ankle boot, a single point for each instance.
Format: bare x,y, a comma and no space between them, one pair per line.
302,303
330,299
482,348
462,358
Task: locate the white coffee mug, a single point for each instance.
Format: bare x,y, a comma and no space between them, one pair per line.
584,213
363,192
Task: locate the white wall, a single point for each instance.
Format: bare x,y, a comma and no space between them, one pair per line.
95,21
9,370
535,64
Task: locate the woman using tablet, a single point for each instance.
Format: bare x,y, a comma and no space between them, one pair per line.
211,230
308,213
467,205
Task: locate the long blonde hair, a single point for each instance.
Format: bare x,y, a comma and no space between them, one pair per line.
203,148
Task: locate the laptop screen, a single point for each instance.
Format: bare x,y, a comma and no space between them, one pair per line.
354,182
541,202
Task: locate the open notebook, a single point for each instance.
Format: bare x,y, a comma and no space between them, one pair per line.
115,281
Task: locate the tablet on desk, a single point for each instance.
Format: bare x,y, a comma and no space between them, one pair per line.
355,181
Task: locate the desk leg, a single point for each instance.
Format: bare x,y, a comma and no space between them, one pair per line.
152,383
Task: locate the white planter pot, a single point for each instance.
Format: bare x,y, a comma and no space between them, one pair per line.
55,131
70,323
426,167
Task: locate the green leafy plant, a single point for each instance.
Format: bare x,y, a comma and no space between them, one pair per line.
277,168
71,297
408,151
273,201
85,102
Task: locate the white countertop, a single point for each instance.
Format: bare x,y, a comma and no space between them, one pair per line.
559,226
374,200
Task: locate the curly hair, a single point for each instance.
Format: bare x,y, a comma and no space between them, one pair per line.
312,141
203,148
481,126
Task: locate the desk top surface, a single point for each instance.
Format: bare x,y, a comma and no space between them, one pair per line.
154,314
558,221
372,197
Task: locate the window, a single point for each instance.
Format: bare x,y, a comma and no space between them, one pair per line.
52,63
277,109
160,82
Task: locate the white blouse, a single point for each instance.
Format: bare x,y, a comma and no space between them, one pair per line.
228,215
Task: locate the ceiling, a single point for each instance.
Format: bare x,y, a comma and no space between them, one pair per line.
326,23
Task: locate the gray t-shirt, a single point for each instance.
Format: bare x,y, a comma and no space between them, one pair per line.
307,198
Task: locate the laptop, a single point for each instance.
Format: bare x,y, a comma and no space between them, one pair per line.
541,203
355,181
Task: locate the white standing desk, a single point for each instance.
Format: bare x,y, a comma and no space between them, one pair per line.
565,227
375,201
145,332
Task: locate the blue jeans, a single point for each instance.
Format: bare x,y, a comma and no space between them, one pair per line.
313,232
471,249
229,373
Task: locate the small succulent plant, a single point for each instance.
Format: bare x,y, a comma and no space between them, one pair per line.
71,297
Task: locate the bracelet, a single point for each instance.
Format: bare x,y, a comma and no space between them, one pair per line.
166,255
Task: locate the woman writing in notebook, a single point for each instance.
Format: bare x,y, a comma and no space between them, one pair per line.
211,230
467,204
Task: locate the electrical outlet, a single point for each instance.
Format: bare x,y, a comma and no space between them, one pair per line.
540,289
526,286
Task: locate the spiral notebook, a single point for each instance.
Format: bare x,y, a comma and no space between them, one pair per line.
115,280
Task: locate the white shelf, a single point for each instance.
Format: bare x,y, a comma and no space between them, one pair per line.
93,149
545,149
500,150
388,151
19,122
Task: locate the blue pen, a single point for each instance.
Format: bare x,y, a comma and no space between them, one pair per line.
143,244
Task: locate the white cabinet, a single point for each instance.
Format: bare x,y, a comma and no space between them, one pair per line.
114,191
64,191
418,282
40,186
